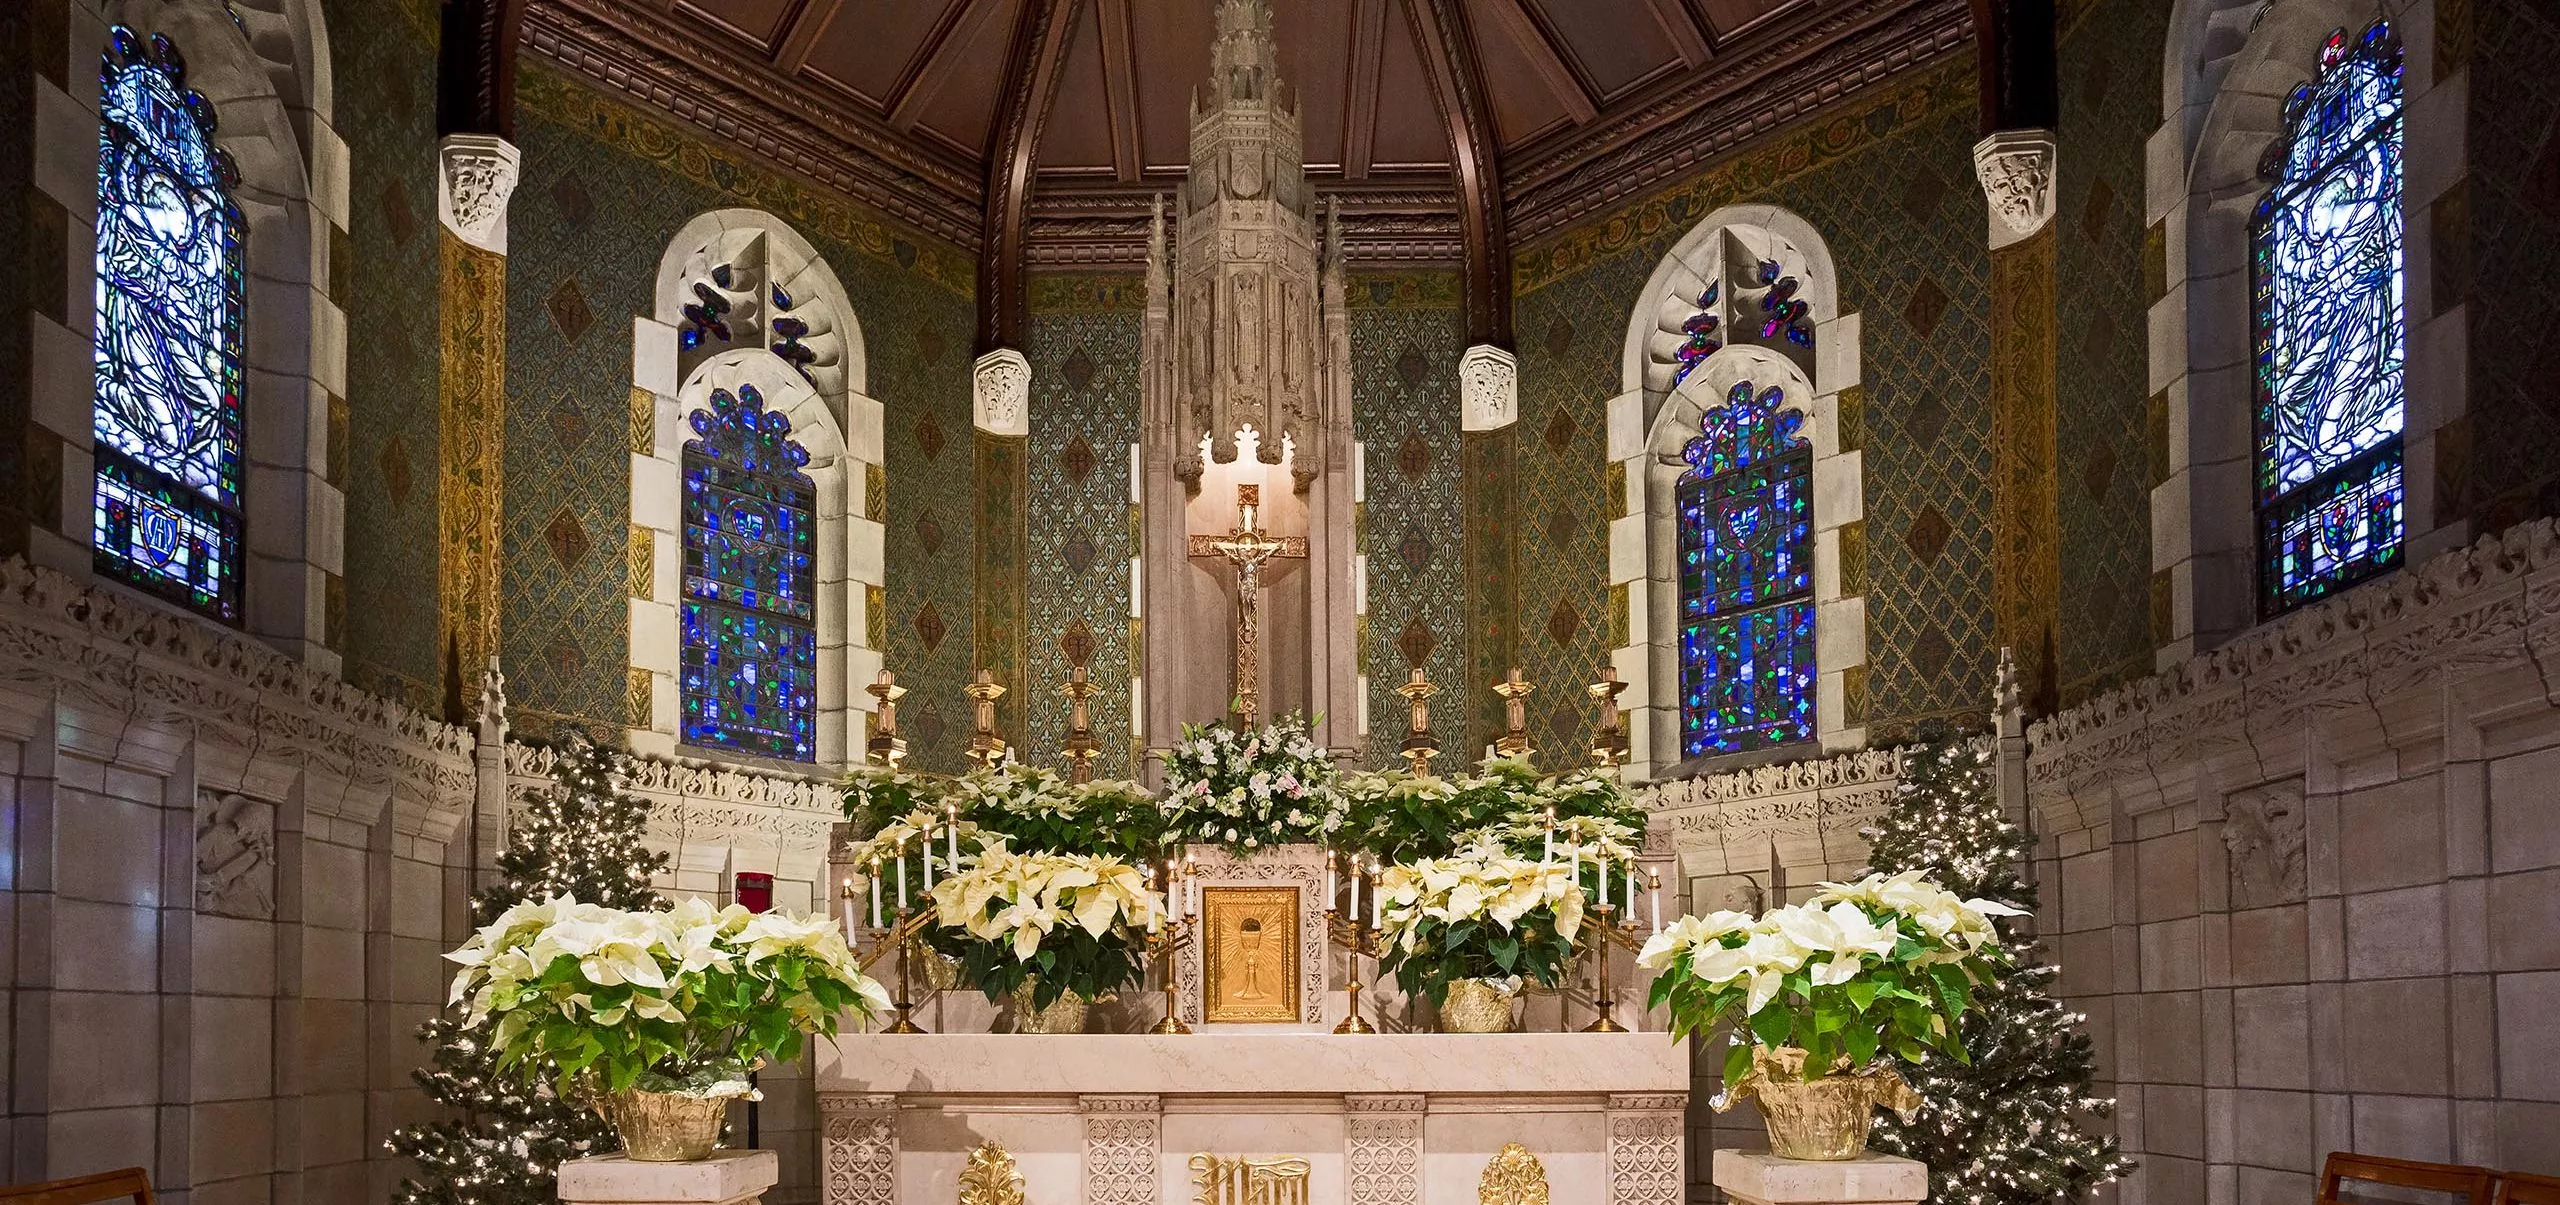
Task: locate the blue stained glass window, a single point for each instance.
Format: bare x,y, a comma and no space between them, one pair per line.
1746,577
169,307
750,671
2326,249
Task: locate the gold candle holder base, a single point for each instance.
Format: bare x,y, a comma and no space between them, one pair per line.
1604,1025
1353,1024
1170,1024
1607,1001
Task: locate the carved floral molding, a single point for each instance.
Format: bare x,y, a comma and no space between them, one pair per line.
476,176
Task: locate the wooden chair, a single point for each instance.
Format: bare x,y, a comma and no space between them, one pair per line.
2519,1188
2470,1185
129,1185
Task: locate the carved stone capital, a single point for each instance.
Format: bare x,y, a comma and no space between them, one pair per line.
1488,388
475,174
1001,404
2016,168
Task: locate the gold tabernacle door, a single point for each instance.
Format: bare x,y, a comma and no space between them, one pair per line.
1252,954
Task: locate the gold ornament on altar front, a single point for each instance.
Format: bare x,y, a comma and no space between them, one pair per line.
887,747
990,1179
1420,746
1247,548
1515,691
1514,1177
985,747
1224,1180
1823,1118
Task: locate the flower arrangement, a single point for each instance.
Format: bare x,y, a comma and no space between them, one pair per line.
1037,809
1244,790
685,1000
1482,914
1398,817
1885,965
1072,922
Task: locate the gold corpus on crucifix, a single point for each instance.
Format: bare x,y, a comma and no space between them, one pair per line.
887,747
1515,691
985,747
1247,548
1081,747
1420,746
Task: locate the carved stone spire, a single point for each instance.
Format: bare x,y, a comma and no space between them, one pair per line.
1243,62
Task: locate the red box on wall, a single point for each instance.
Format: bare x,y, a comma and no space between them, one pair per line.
753,891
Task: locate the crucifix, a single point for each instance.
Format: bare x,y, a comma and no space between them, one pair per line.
1247,548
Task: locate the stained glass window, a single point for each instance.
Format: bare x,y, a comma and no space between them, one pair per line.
1746,577
169,307
750,677
2326,247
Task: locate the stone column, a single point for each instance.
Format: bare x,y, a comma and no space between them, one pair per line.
1000,415
858,1149
1488,418
1123,1137
726,1178
1760,1178
1382,1150
476,175
2016,168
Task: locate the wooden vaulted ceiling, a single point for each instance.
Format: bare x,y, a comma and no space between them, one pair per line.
1585,99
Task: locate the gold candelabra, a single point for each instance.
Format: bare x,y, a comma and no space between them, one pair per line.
1515,691
1081,745
1420,746
899,936
1168,941
886,746
985,747
1609,740
1356,935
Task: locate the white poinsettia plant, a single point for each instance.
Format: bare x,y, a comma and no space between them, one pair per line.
1272,785
1482,914
1072,922
684,999
1883,966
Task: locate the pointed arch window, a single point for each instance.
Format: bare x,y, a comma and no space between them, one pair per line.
170,299
749,678
1745,515
2326,249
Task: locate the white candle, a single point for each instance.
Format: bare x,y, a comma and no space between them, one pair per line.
1657,902
928,864
875,893
902,884
850,914
951,824
1630,902
1355,893
1155,916
1328,881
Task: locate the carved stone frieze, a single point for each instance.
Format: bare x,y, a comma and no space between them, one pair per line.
476,174
2263,836
235,856
2016,168
1647,1160
1123,1137
858,1159
1001,401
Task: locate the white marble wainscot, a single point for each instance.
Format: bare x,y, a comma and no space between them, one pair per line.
1384,1119
1299,866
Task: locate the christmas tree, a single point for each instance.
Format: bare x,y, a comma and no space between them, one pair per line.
2012,1127
510,1134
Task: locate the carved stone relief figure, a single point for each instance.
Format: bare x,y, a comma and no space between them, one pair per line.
235,856
2263,833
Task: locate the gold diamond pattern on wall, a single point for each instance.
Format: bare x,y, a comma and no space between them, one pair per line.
1621,618
644,562
2026,572
875,493
875,617
1613,481
473,332
1853,696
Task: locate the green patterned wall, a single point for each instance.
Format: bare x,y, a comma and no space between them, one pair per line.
1085,402
2505,218
1888,180
604,188
1406,333
383,57
2110,105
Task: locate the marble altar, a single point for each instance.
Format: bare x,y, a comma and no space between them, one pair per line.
1115,1119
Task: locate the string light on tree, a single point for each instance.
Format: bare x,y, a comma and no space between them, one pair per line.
2011,1128
504,1146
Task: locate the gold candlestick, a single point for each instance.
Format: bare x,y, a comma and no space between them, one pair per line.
1081,747
1609,743
887,747
1515,691
1607,1001
1420,746
1360,942
903,934
1169,941
985,747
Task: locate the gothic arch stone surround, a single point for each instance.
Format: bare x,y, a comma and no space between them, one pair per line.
267,80
831,419
2228,72
1650,421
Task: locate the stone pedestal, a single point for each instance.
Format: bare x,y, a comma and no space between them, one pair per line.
726,1178
1760,1178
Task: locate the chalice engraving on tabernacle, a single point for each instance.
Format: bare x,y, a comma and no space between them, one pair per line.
1251,965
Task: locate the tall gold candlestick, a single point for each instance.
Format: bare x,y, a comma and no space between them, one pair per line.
1609,743
1515,691
1604,916
985,747
1420,746
1081,747
887,747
